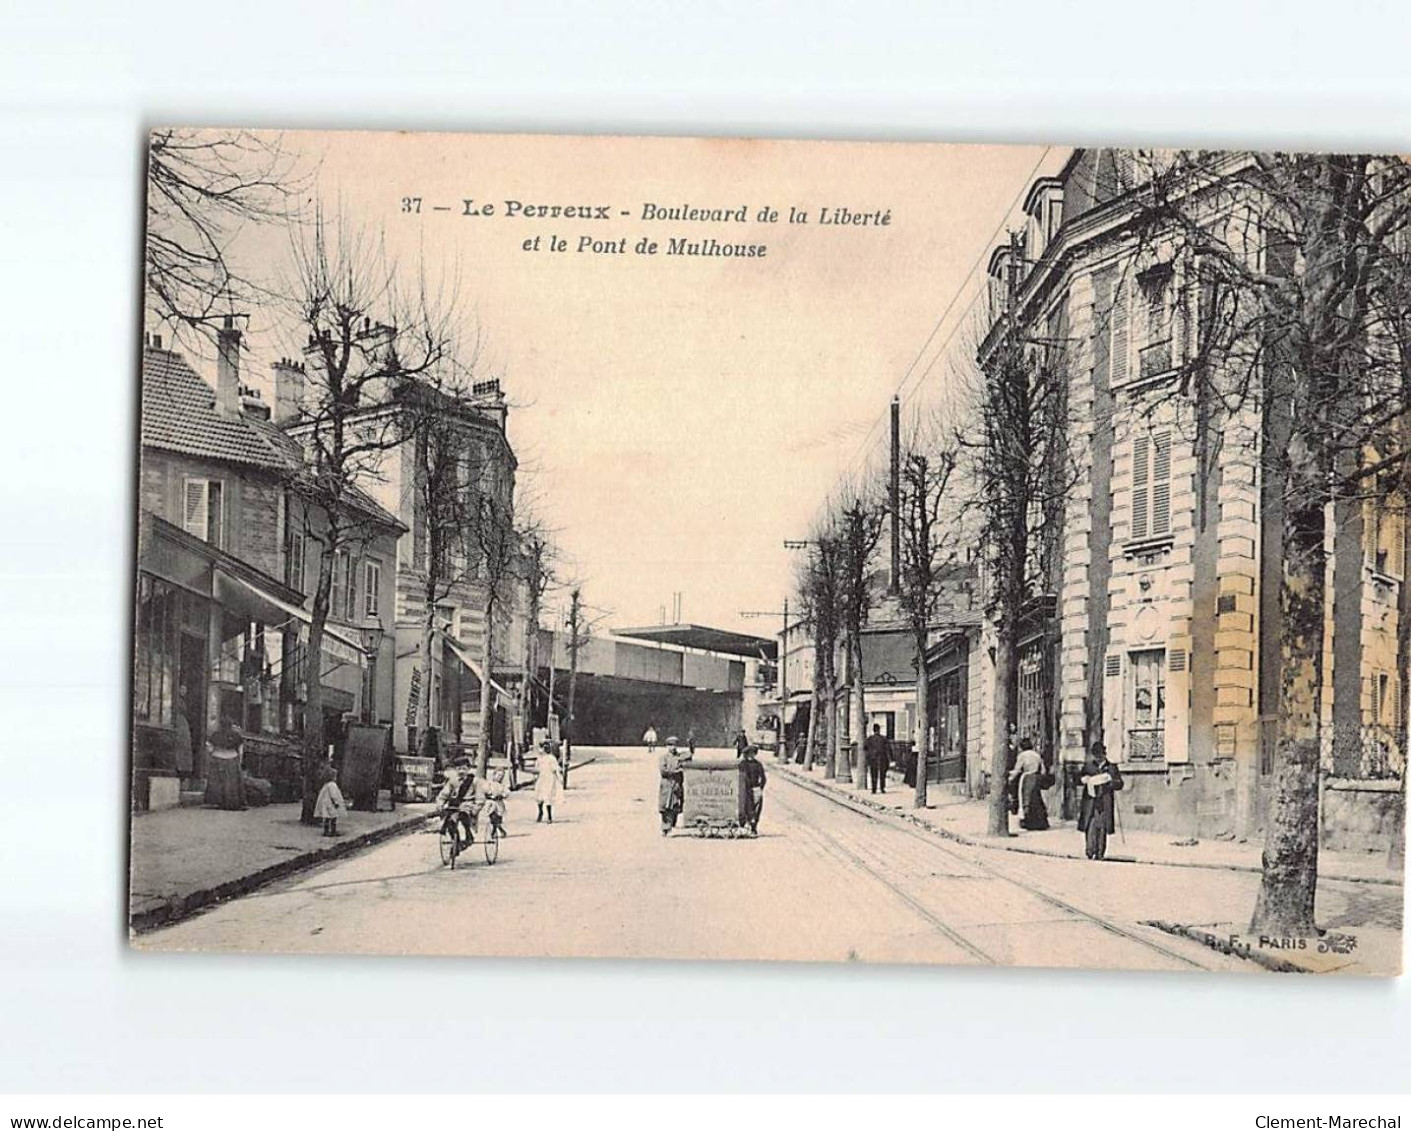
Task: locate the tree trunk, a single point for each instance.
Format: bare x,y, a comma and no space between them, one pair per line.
1286,895
1006,645
315,757
923,718
812,736
830,717
423,708
859,712
487,695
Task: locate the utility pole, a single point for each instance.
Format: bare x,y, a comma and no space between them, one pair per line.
553,665
573,641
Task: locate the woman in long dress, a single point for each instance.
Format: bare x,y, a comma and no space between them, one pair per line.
1098,815
549,783
1026,777
225,782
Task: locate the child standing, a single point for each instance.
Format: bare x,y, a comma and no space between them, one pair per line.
330,804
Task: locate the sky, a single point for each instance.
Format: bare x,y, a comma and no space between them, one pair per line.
678,418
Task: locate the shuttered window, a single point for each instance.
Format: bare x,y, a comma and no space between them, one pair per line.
203,510
294,573
1121,336
350,613
338,593
1151,485
372,583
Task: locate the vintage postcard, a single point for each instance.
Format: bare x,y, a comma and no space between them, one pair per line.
771,550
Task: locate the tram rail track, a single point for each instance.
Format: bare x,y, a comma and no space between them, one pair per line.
989,869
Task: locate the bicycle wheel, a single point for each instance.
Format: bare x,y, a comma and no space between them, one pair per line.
492,844
450,843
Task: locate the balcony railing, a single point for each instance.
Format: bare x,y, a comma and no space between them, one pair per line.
1154,359
1146,744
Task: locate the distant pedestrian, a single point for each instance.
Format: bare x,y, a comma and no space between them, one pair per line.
1098,815
650,739
330,804
755,779
691,741
671,794
549,784
874,749
1026,777
741,742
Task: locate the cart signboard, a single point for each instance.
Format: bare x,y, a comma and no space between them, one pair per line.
714,795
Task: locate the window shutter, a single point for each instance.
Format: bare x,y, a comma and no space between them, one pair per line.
371,578
197,513
1119,334
1114,665
1161,486
1140,485
1396,552
351,612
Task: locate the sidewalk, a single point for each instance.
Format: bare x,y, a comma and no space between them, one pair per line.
966,820
185,859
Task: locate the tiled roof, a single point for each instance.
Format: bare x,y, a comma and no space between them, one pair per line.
179,415
356,498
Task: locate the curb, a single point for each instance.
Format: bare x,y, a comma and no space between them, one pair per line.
179,907
1024,850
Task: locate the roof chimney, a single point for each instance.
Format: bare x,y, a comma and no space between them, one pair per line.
288,390
228,368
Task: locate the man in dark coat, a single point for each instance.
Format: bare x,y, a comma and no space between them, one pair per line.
1098,816
754,778
874,749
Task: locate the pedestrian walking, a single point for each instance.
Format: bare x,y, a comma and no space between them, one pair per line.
549,784
691,741
330,804
1098,816
754,781
649,737
741,742
874,749
1026,778
671,793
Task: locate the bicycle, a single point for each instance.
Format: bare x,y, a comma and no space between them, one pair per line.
452,843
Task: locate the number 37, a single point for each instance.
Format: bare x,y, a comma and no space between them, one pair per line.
411,204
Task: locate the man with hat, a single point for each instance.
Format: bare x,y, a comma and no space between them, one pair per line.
671,794
754,778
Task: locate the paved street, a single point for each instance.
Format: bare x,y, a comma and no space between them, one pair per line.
824,881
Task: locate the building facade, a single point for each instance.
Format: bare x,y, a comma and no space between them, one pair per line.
1166,585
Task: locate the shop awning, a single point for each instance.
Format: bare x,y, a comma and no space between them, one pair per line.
464,657
242,595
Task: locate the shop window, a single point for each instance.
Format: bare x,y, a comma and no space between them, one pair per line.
155,654
1151,486
203,510
372,586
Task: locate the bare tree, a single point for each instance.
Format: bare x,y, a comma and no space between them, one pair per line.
1302,314
538,565
497,547
203,188
1021,480
820,596
928,462
861,514
342,285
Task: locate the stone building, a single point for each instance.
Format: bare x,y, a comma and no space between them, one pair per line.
1163,580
